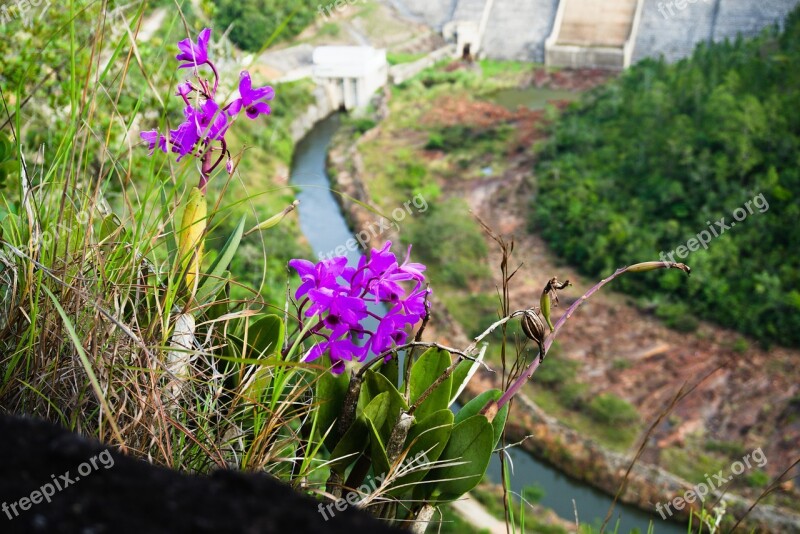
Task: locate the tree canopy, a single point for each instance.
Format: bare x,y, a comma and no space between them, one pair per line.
646,163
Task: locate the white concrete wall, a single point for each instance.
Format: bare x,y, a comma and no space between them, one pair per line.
674,33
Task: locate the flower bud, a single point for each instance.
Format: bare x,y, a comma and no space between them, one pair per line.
550,297
533,326
653,265
275,219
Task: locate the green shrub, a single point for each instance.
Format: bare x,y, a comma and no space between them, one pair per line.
450,243
729,448
435,141
620,364
330,29
363,124
554,372
254,21
645,163
573,395
677,316
610,409
757,478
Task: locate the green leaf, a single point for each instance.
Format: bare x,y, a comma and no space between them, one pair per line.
428,436
109,225
6,148
470,445
350,446
391,370
378,409
474,407
265,336
355,440
380,461
430,366
330,393
226,254
211,289
169,229
464,373
375,384
9,169
262,379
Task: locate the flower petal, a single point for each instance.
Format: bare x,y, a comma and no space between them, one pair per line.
245,85
259,108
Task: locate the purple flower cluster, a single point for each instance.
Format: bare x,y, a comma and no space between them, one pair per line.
205,122
338,295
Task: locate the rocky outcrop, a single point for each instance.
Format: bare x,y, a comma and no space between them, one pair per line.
53,481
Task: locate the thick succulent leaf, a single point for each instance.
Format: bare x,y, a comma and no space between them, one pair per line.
356,438
430,366
226,254
474,407
425,443
464,373
380,461
350,446
469,449
374,385
330,393
265,336
211,289
391,370
261,380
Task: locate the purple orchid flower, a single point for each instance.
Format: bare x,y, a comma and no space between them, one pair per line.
337,295
210,121
251,99
339,350
193,54
184,89
202,134
340,308
322,275
153,139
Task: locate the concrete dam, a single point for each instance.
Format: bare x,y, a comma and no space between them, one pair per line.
608,34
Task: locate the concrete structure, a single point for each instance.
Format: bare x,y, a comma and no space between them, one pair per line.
468,25
673,32
434,13
517,29
592,33
350,75
587,33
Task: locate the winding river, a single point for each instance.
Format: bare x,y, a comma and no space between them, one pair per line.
325,228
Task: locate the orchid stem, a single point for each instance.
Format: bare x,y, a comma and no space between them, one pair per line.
525,376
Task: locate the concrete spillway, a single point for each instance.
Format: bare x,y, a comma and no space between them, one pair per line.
592,23
587,33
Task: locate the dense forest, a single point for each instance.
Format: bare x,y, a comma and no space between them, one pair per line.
648,166
254,23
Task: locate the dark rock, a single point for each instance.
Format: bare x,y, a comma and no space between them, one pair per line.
121,494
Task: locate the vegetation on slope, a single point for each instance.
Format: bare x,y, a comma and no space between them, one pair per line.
87,234
651,162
